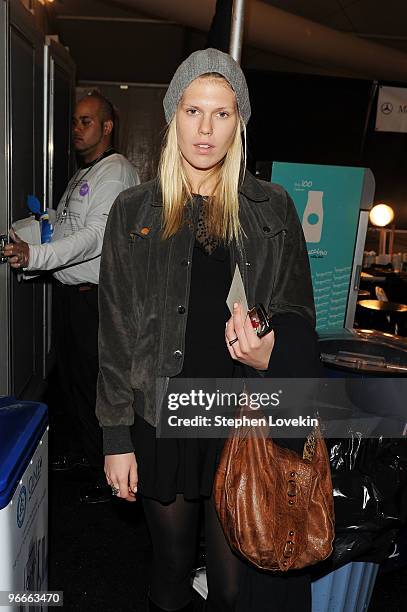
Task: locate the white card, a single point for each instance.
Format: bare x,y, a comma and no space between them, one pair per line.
237,293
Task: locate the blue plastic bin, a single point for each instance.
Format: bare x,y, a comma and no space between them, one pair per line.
21,426
347,589
23,495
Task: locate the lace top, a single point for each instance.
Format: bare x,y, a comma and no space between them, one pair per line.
208,243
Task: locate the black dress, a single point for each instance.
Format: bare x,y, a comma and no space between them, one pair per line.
170,466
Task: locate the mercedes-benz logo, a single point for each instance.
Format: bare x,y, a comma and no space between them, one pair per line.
386,108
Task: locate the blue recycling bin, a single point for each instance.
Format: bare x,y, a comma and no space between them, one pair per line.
347,589
23,495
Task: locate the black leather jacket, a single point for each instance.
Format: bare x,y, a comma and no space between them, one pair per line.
144,280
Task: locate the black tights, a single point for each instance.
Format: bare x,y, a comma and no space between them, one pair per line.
173,528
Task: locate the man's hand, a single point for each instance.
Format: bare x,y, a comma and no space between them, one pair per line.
121,473
18,252
246,347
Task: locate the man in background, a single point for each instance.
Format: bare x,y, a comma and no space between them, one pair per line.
73,255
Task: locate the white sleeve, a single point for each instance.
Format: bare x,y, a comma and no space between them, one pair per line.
84,244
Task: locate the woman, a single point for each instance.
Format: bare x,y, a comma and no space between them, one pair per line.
171,247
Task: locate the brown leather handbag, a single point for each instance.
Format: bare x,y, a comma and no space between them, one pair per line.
275,507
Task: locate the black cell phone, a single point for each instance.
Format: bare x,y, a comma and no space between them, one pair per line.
260,320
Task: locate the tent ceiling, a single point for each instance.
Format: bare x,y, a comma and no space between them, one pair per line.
385,21
373,20
377,20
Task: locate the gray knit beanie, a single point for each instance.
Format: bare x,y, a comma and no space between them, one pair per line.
202,62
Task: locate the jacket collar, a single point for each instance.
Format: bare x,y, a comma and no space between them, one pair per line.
251,188
156,199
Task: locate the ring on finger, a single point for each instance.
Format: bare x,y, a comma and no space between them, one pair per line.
233,341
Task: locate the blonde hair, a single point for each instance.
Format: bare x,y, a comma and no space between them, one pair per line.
222,215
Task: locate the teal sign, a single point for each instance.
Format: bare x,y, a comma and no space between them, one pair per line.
327,199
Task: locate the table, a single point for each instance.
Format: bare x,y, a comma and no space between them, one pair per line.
383,306
372,278
385,316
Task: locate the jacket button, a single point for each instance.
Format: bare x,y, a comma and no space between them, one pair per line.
181,309
185,262
266,229
177,354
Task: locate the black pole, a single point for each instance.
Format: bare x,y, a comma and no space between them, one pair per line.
372,96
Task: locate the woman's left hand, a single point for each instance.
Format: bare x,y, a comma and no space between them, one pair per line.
248,348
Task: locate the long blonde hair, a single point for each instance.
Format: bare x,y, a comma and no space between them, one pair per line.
223,209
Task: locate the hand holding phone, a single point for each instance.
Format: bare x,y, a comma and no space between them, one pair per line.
242,338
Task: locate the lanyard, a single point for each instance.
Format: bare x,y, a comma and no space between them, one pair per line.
80,179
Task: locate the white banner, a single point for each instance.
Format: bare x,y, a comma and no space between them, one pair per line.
391,113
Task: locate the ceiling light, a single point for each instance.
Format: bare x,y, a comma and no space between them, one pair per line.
381,215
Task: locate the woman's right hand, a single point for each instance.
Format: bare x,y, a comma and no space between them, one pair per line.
121,473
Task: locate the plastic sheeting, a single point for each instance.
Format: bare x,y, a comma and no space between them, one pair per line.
369,479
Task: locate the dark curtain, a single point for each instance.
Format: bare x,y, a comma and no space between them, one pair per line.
141,123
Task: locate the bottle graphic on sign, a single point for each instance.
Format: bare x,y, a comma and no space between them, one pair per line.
313,217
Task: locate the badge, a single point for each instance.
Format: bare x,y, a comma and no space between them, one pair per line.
84,189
